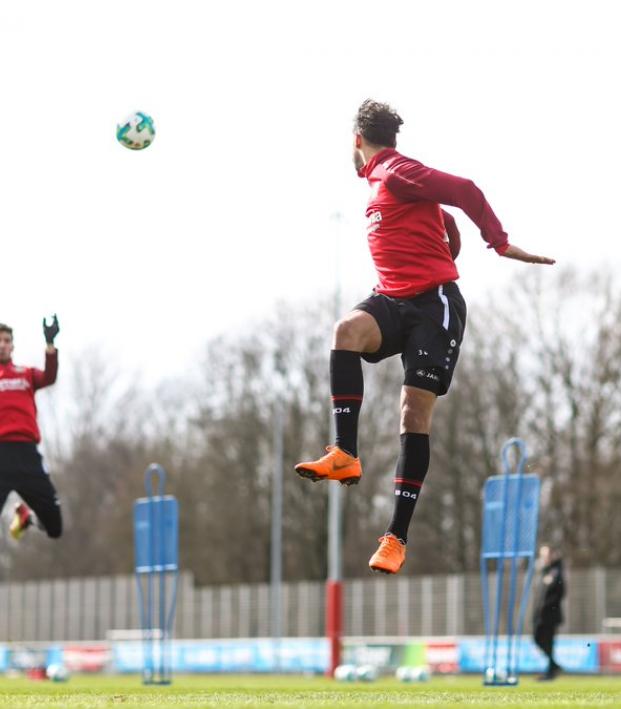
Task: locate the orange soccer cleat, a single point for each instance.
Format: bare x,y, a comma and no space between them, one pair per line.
390,556
21,521
336,465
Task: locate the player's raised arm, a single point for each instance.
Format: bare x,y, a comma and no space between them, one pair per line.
47,377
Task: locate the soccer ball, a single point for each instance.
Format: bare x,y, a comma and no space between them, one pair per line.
366,673
136,132
345,673
57,673
412,674
420,674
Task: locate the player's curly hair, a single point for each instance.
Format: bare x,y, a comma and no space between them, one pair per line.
6,328
378,123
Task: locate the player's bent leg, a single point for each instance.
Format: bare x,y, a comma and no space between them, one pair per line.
416,414
5,491
6,485
52,523
40,495
356,333
22,519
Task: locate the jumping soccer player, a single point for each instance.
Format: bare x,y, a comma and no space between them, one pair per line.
21,464
416,310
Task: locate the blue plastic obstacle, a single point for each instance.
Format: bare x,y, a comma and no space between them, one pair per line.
510,519
156,541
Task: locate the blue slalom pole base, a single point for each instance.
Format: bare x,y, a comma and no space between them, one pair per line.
158,682
510,682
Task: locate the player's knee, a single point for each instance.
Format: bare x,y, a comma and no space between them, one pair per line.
347,335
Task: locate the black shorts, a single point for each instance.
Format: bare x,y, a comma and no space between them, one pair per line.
22,471
425,330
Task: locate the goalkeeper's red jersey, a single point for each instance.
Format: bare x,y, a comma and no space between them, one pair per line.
408,237
18,410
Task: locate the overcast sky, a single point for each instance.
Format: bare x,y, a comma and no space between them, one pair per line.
231,208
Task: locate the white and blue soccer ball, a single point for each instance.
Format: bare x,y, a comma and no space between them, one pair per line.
366,673
136,132
412,674
57,673
345,673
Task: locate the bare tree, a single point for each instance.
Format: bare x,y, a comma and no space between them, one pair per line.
546,365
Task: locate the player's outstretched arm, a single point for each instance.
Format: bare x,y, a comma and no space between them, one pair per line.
411,180
515,252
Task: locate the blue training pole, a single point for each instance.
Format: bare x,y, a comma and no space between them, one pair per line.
510,519
500,571
156,522
521,446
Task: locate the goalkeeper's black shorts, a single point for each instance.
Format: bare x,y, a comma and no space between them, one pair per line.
22,471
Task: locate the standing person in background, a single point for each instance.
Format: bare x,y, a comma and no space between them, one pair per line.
21,464
547,612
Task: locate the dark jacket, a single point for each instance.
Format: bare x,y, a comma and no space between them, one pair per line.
549,593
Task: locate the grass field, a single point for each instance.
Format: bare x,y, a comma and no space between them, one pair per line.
230,692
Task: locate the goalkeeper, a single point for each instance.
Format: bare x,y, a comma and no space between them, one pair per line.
21,465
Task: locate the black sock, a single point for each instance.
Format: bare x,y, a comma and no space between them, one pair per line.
412,467
347,387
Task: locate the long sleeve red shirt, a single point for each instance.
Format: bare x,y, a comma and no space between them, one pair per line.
18,410
412,241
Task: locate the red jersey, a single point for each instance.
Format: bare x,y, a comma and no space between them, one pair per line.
18,411
409,234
